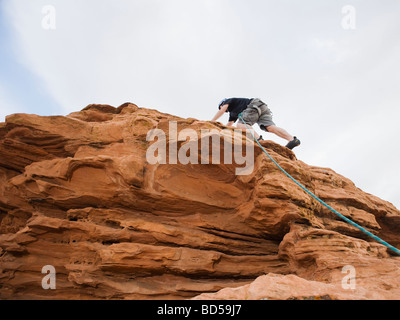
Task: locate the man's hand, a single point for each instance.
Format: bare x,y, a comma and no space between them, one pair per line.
220,112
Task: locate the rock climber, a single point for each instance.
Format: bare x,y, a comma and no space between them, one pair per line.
253,111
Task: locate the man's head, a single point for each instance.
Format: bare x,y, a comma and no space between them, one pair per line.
222,103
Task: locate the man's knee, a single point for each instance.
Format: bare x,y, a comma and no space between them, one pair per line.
269,128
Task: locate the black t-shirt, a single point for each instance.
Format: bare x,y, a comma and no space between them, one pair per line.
236,106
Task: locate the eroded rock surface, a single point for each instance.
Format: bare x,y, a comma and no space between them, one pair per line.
77,193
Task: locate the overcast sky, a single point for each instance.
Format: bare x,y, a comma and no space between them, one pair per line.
335,88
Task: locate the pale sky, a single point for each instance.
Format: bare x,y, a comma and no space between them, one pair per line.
336,89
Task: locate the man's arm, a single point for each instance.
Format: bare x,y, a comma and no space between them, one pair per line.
220,112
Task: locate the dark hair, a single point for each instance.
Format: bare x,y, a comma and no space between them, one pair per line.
222,103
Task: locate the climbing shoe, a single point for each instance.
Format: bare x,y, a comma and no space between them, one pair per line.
294,143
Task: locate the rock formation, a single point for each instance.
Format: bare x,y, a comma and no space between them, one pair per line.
77,194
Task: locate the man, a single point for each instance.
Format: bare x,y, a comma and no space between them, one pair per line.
253,111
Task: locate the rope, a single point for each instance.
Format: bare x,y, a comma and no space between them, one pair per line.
322,202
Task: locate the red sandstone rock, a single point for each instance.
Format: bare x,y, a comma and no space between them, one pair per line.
77,193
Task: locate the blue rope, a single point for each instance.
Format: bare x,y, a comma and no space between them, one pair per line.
322,202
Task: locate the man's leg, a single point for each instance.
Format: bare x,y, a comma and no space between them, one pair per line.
282,133
243,126
293,141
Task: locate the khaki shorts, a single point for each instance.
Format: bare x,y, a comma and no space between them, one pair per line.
261,115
